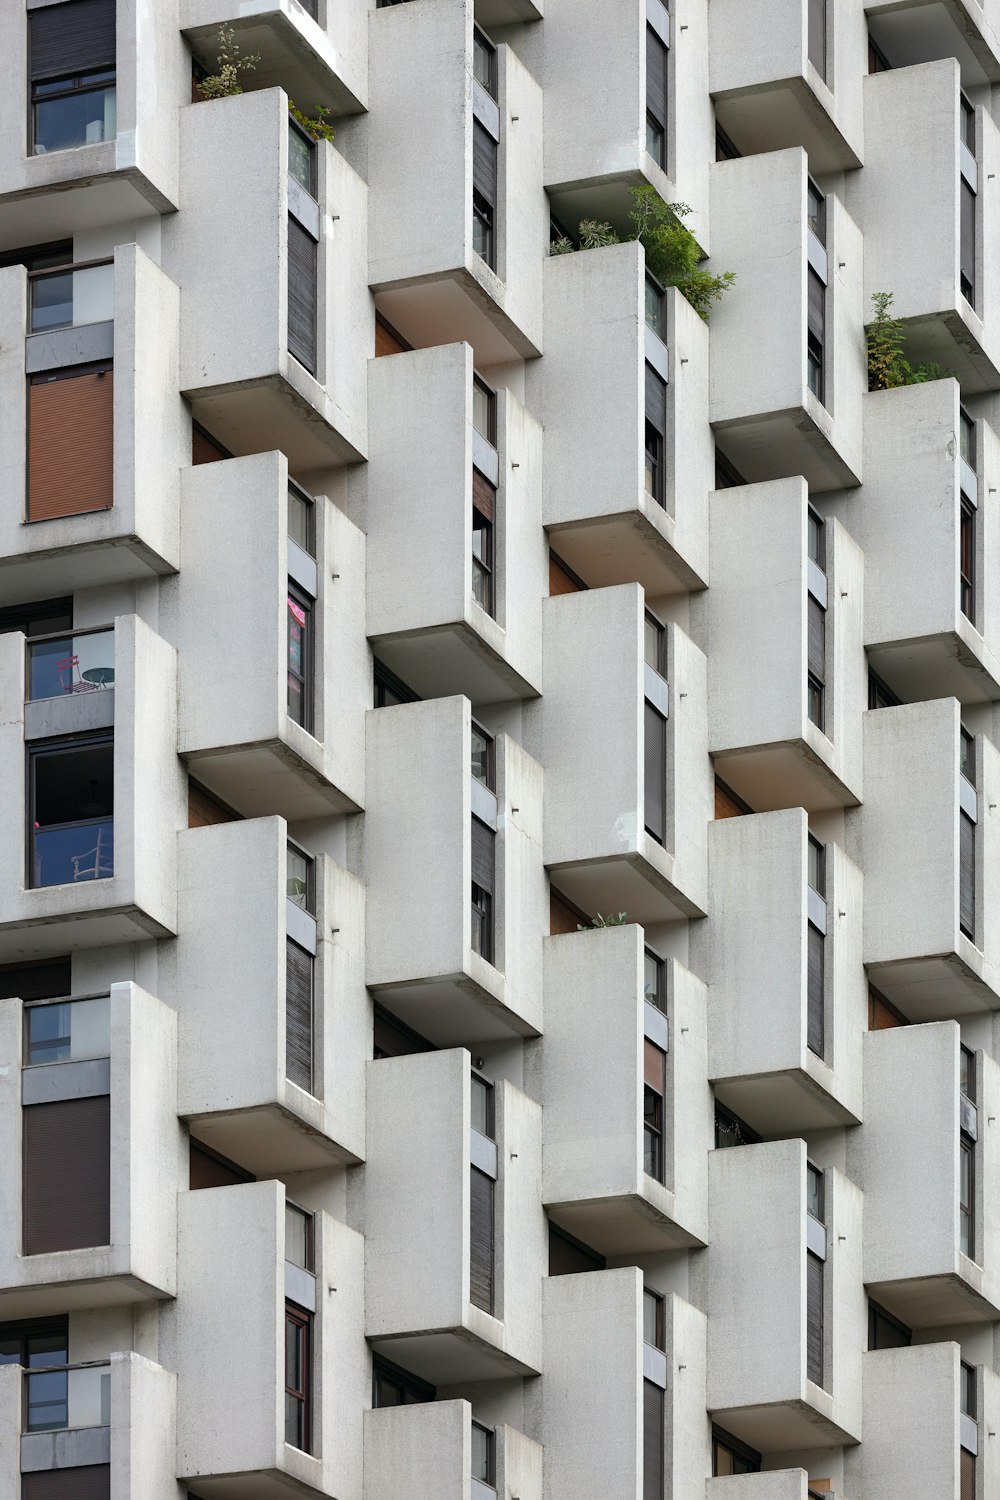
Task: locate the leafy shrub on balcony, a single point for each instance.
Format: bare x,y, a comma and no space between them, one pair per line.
229,64
888,366
672,252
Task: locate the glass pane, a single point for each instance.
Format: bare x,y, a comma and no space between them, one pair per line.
46,1401
297,878
298,658
481,744
483,404
300,518
816,211
75,664
817,863
293,1354
62,856
297,1237
814,1194
293,1420
481,1117
654,140
653,642
817,550
483,57
650,1319
68,1032
301,160
967,757
482,1454
654,307
653,980
967,438
481,590
967,1065
79,119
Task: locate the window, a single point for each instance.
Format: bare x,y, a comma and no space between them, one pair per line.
655,308
207,1169
66,1188
300,657
391,1038
47,979
70,440
816,335
967,437
816,211
656,427
877,60
968,1132
569,1256
484,411
71,811
653,1319
816,675
483,757
657,63
815,1194
484,193
481,1107
69,1031
298,1377
969,1431
392,1386
299,986
654,1336
654,1089
483,875
303,274
301,520
967,206
655,981
71,50
725,148
484,62
730,1130
482,1195
655,730
967,819
299,879
40,1344
727,476
815,1273
390,690
880,695
816,948
730,1456
967,559
301,158
484,1454
882,1014
817,36
299,1237
483,497
47,618
885,1331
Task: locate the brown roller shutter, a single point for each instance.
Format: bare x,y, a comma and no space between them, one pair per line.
74,37
727,804
814,1319
652,1441
67,1174
70,444
561,579
483,855
387,340
481,1240
817,639
967,1462
302,284
967,875
483,495
654,1066
484,163
207,1170
299,1016
92,1482
881,1014
204,810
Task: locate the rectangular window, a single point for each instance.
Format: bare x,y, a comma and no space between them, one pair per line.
483,510
880,695
484,1458
484,411
967,249
656,428
299,986
885,1331
654,1089
730,1456
655,308
49,979
483,878
303,275
484,62
730,1130
652,1440
70,440
967,437
817,36
816,335
816,211
301,158
207,1169
967,875
300,657
300,878
816,662
653,1319
657,63
484,193
70,811
882,1015
726,148
967,559
71,59
967,1196
392,1386
969,1445
655,731
481,1239
877,60
388,689
814,1318
390,1038
569,1256
301,520
298,1377
66,1174
655,981
815,1035
483,757
299,1237
70,1031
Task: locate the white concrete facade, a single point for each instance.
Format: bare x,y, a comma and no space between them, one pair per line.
499,864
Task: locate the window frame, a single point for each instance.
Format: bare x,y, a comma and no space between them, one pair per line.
35,750
305,602
298,1317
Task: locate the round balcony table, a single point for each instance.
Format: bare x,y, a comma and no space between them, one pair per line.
101,677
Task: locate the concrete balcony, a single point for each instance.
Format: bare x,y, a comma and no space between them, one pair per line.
599,513
607,1195
106,879
231,981
236,369
119,1413
920,638
428,280
595,110
594,710
418,861
138,1040
231,1436
915,1447
773,1484
134,532
421,1149
128,175
315,58
416,498
782,1064
764,743
593,1399
772,89
768,421
246,747
912,229
915,1266
964,29
758,1386
908,835
424,1452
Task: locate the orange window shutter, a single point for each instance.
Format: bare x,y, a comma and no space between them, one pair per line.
70,444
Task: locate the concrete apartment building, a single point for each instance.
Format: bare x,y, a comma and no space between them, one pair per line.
382,600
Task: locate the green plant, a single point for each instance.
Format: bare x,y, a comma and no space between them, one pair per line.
610,921
230,63
671,249
317,125
888,366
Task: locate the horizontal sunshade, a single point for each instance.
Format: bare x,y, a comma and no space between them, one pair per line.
71,38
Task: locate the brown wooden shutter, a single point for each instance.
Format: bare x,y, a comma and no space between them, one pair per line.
204,448
481,1240
881,1014
67,1174
70,443
302,280
203,809
967,875
816,967
727,805
652,1441
206,1170
967,1466
71,38
50,980
814,1318
299,1016
561,581
483,495
655,756
91,1482
387,340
